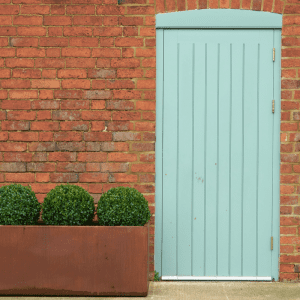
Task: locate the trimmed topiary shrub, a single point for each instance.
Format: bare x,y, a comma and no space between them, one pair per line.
68,205
18,205
123,206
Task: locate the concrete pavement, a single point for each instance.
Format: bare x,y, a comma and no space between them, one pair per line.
192,290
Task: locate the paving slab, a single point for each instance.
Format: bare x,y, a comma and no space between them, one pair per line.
204,290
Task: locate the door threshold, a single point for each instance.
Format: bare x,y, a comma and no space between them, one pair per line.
233,278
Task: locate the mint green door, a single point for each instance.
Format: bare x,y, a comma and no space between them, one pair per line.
218,136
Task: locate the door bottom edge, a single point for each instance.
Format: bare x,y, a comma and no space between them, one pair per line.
233,278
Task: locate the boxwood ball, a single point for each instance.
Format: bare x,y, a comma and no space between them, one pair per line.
68,205
123,206
18,205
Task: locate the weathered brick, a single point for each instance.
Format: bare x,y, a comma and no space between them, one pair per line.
64,177
13,167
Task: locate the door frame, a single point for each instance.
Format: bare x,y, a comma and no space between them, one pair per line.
213,19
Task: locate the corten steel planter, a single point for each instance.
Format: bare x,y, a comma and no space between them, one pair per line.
74,260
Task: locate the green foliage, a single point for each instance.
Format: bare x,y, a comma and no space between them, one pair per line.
123,206
156,276
68,205
18,205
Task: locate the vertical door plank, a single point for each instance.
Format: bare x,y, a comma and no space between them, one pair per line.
159,149
170,139
224,159
199,156
265,156
235,238
250,169
211,160
185,153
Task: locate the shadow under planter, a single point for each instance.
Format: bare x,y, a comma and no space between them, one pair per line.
74,260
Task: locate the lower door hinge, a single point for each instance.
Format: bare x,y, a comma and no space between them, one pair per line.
271,243
273,106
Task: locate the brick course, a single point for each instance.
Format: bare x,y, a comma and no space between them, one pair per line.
77,96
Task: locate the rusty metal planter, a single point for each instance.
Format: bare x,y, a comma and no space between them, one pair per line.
74,260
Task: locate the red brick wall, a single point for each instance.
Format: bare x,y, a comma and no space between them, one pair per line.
78,99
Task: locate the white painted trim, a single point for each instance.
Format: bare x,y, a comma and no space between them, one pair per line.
252,278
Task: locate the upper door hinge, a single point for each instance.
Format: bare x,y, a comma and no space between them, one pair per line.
273,54
273,106
271,243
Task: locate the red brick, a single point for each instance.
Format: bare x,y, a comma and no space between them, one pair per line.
21,115
114,146
49,63
5,20
80,62
106,52
70,167
44,126
122,157
125,63
8,31
87,20
143,168
63,177
120,84
66,115
140,10
83,42
124,115
45,84
31,31
98,126
130,73
71,104
97,95
25,73
92,157
143,147
61,156
3,42
21,94
53,42
108,31
130,31
73,126
77,31
57,20
55,31
110,10
9,9
145,52
19,177
35,9
30,52
127,52
15,83
19,62
13,147
23,136
45,136
93,177
147,31
80,9
58,9
26,20
75,83
49,73
19,157
68,94
11,104
76,52
147,157
126,136
5,73
115,177
96,115
68,136
114,167
7,52
97,136
98,104
128,42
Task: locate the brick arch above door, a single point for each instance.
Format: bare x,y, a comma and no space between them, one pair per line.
275,6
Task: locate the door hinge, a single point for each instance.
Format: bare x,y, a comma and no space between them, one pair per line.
273,54
271,243
273,106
